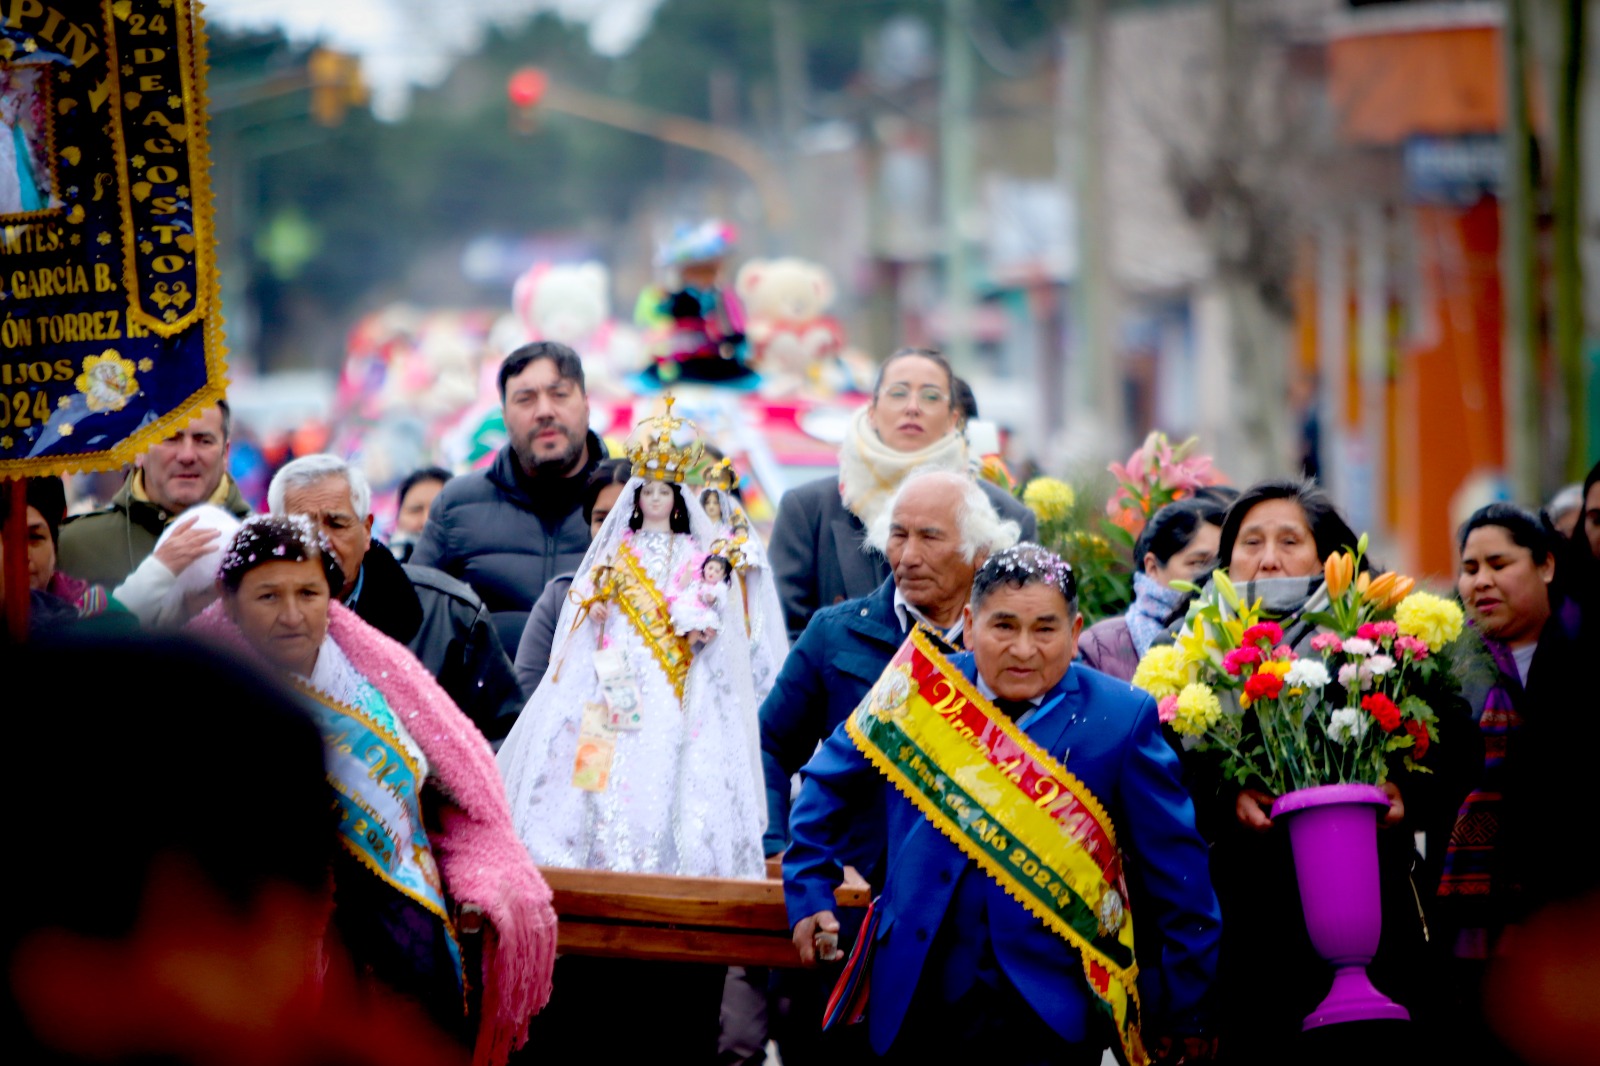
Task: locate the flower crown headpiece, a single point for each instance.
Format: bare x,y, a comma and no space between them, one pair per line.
1025,563
249,546
665,448
719,475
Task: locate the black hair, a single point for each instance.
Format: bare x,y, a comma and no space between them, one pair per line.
1526,529
1328,528
605,472
1580,535
277,539
206,703
679,522
966,401
417,477
1173,528
227,420
46,495
568,366
727,567
930,354
1022,565
1221,495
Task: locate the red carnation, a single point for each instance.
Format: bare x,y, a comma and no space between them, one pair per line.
1271,632
1383,709
1419,733
1263,686
1236,660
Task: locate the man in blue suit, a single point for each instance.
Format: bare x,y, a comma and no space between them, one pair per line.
959,967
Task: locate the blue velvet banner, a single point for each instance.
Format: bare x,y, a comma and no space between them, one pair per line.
110,337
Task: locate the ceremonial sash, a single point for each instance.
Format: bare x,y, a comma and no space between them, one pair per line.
648,610
1031,826
376,786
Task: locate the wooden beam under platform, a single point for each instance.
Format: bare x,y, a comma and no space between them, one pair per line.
700,919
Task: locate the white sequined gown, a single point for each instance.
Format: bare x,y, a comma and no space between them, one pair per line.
685,794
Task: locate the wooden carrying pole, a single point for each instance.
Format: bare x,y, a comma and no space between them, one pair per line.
699,919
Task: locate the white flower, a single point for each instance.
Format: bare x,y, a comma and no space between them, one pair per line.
1348,723
1376,666
1358,646
1348,674
1306,673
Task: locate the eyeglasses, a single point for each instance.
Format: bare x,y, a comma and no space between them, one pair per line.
899,395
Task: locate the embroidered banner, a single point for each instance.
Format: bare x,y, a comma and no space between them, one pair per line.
1031,826
110,337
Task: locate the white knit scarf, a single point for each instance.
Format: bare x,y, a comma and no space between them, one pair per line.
870,470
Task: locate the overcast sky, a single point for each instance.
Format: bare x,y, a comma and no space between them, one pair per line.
404,43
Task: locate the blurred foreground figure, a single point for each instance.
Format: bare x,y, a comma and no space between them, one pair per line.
178,902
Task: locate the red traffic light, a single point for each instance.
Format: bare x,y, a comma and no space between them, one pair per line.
526,87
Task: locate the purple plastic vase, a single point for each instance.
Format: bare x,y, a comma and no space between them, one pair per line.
1333,830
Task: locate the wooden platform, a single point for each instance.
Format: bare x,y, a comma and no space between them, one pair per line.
658,916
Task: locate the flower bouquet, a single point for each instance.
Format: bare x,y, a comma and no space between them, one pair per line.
1317,718
1070,524
1157,473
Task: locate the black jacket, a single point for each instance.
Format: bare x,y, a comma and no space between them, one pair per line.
817,548
824,676
485,529
448,629
539,635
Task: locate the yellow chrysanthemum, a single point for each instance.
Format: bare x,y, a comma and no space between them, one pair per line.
1198,710
1161,672
1431,619
1049,498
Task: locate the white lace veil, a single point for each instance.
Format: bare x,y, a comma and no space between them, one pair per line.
571,679
769,636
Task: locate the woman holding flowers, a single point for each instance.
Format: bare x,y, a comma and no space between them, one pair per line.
1179,543
1293,670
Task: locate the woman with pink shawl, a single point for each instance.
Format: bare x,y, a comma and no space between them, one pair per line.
427,849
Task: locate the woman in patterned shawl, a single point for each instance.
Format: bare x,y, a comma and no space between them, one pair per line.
427,850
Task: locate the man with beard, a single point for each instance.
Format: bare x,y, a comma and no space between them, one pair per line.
508,529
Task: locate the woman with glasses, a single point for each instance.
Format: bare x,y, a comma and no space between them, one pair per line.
817,551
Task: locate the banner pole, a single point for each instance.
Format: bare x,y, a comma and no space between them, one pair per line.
15,540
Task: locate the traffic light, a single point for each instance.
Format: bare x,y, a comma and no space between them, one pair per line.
336,85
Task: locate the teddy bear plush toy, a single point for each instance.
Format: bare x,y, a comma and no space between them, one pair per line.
571,304
794,342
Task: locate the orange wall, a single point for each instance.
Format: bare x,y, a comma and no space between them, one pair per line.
1388,87
1448,422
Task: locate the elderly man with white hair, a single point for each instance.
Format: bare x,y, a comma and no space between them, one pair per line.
441,620
936,531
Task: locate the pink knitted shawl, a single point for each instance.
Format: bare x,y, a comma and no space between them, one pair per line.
483,861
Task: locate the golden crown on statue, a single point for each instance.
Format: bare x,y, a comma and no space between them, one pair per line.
665,447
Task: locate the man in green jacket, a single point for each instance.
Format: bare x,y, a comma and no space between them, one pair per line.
187,468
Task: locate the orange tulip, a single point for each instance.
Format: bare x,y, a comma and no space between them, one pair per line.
1362,581
1336,572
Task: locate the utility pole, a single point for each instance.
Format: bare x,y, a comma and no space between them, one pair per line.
1094,382
1520,267
956,154
1568,226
